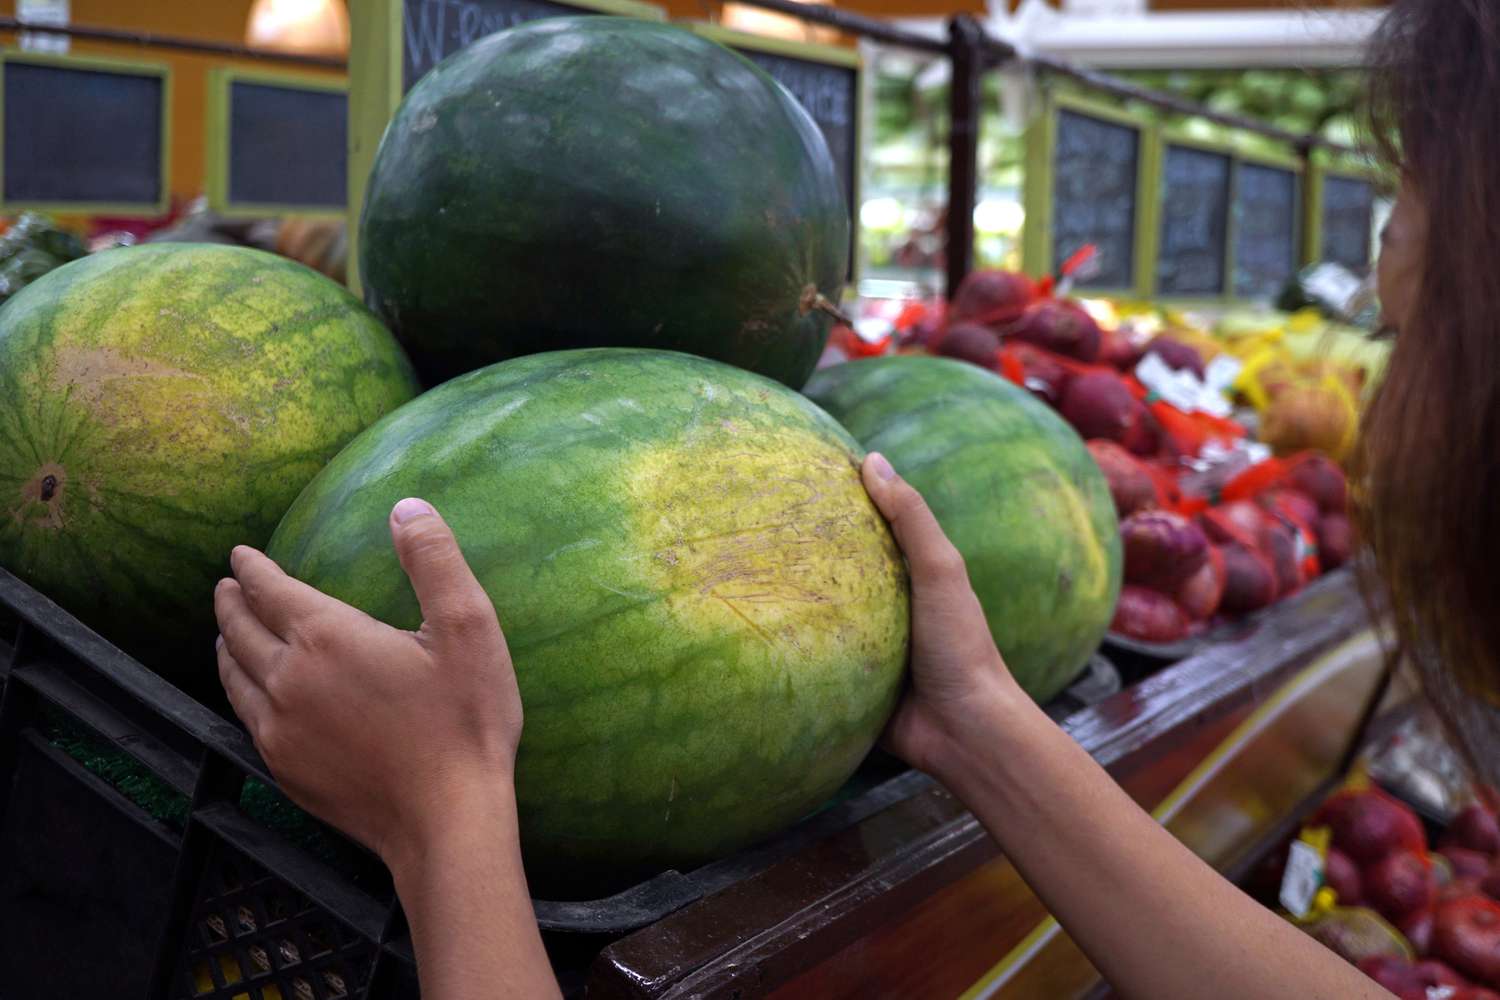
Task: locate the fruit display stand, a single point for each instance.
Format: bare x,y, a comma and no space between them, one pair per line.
143,823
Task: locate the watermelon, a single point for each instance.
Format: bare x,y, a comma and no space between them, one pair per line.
708,616
158,406
1014,488
598,182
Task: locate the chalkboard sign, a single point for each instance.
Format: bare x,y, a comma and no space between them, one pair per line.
1096,166
1193,239
825,81
1348,221
1267,206
84,135
278,144
434,29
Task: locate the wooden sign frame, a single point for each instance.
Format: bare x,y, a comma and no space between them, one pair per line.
813,52
377,33
216,162
101,65
1287,161
1041,144
1164,138
1321,166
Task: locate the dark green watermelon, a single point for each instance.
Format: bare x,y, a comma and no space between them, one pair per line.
707,614
599,181
1014,488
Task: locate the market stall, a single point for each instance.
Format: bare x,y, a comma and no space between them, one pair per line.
1157,437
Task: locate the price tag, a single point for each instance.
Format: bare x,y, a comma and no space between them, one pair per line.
1334,284
1222,371
1302,879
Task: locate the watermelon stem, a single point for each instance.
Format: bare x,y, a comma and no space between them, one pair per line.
814,299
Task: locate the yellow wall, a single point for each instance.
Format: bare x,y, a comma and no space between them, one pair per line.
208,20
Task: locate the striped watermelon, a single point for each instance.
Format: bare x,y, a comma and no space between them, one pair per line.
707,614
1014,488
161,404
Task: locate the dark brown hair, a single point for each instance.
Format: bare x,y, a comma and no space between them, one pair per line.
1428,470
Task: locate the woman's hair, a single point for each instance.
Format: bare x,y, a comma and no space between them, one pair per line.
1428,471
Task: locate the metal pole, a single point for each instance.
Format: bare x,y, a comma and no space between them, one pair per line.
151,38
965,51
855,24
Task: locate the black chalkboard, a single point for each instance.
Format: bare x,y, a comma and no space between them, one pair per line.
1348,220
1266,211
77,135
288,145
1194,234
1095,169
829,92
435,29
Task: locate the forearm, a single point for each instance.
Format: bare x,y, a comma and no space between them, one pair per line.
1156,920
464,892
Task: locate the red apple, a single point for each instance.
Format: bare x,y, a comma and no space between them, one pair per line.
1368,824
1399,884
992,297
1466,935
1063,327
970,342
1476,828
1342,876
1320,477
1130,484
1099,405
1410,980
1417,928
1043,375
1467,864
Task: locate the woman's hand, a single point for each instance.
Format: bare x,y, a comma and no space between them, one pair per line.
406,741
958,680
376,730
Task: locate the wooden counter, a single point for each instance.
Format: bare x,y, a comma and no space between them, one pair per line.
1228,748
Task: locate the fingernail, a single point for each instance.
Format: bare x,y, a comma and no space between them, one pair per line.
881,466
218,643
411,507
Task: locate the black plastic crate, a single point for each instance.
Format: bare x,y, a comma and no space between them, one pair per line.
145,849
139,849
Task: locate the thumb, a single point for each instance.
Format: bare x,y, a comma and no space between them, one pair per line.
929,554
446,589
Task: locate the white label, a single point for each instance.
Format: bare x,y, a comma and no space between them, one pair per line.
1302,879
1333,284
1178,388
43,12
873,329
1222,371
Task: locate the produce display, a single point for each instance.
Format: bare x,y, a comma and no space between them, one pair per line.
1222,512
1014,488
162,404
30,248
678,199
708,615
1411,916
617,249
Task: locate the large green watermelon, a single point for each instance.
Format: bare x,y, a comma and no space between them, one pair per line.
1013,487
160,405
708,616
599,181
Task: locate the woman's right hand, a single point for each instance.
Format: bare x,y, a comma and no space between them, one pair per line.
958,680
